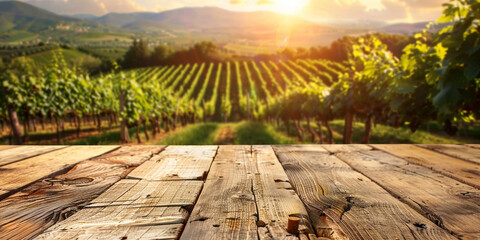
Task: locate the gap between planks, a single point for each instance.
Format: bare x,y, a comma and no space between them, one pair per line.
247,195
155,203
464,171
16,176
46,202
345,204
18,153
457,151
448,203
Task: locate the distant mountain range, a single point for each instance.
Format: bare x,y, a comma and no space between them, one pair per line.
19,16
201,18
16,15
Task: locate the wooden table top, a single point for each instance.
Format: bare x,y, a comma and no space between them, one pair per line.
240,192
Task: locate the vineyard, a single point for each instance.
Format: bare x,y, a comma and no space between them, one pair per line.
213,89
156,97
429,82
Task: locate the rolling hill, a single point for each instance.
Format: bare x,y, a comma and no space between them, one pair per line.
15,15
204,18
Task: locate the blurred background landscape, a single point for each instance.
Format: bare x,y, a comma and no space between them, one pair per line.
239,72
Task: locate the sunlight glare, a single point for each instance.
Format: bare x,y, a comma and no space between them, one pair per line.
289,6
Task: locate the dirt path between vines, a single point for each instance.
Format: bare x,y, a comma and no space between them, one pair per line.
225,136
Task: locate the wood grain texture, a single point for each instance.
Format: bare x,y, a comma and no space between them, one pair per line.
256,202
120,222
152,193
177,163
140,232
477,146
346,147
11,155
456,151
464,171
46,202
345,204
448,203
226,207
5,147
275,197
20,174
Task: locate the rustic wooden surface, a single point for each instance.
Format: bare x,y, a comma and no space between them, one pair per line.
459,169
5,147
477,146
240,192
452,205
11,155
17,175
229,213
46,202
357,207
156,202
458,151
177,163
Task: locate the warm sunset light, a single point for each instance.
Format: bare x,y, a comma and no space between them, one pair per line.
239,119
289,6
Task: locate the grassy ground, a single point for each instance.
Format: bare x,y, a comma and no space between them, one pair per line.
72,56
251,133
247,133
385,135
198,134
242,133
15,37
382,134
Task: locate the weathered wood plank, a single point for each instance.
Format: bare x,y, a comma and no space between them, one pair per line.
448,203
275,197
42,204
346,147
456,151
120,222
19,153
477,146
458,169
246,195
152,193
20,174
343,202
226,207
177,163
146,232
5,147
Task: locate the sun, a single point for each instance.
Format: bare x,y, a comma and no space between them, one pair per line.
289,6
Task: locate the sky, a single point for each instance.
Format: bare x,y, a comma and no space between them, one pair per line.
315,10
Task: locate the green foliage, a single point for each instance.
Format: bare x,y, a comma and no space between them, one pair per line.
161,54
191,89
138,55
459,76
226,104
22,86
372,68
200,98
199,134
258,133
212,103
412,90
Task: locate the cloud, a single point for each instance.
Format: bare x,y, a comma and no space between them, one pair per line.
238,2
265,2
423,3
97,7
381,10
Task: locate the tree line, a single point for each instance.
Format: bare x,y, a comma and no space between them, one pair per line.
141,55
